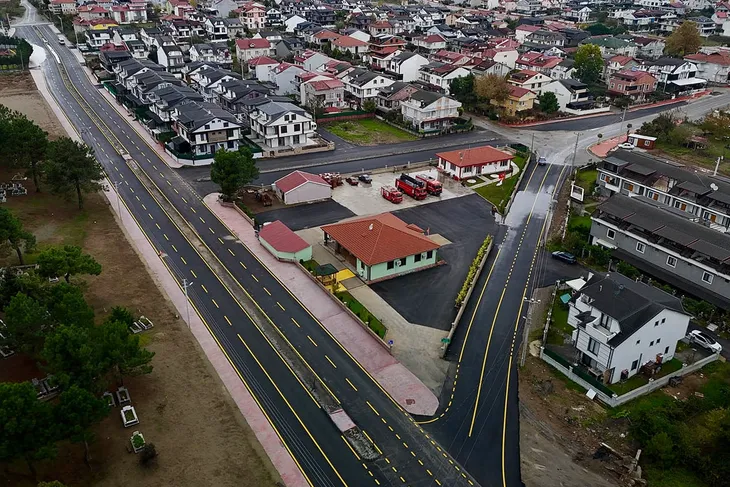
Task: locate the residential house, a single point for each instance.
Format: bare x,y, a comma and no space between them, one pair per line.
349,44
362,85
284,77
62,7
427,111
262,67
390,97
382,246
110,58
621,325
503,55
202,129
650,47
467,163
323,94
239,96
405,65
712,66
518,100
529,80
536,61
564,70
311,60
129,13
292,21
380,28
674,75
247,49
281,126
211,54
543,38
288,47
92,12
171,57
430,43
450,57
576,14
97,38
254,16
573,96
440,75
216,29
162,102
619,63
612,46
487,67
524,30
274,18
636,85
665,245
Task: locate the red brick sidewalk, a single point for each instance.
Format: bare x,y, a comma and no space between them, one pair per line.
393,376
602,148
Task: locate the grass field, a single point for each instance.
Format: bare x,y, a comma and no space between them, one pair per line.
639,380
499,195
369,131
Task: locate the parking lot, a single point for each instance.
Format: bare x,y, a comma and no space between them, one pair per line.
365,199
427,297
307,216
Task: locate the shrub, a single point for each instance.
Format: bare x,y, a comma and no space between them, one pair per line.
472,271
148,453
121,315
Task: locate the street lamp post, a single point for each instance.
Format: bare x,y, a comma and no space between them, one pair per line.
186,284
575,150
119,198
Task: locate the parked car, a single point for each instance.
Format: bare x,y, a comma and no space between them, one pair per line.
365,178
626,146
542,161
704,340
352,181
566,257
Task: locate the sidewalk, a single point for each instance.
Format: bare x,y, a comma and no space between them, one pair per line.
392,375
254,416
602,149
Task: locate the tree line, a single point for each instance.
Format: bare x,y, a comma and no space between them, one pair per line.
66,167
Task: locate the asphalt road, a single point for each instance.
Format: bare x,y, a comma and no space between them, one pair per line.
307,216
409,457
603,120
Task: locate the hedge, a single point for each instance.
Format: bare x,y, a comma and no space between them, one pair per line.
473,271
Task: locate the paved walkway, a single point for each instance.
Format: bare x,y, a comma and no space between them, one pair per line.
395,378
279,456
601,149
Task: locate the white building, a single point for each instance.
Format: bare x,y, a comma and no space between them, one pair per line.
293,21
302,187
621,325
440,75
429,111
247,49
405,65
65,7
362,85
204,128
278,126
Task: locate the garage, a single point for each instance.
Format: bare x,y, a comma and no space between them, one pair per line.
302,187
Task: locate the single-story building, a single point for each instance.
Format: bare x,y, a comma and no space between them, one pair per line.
382,246
642,141
466,163
284,244
302,187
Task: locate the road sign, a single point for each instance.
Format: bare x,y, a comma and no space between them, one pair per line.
390,343
446,340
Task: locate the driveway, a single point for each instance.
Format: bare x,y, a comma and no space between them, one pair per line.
307,216
427,297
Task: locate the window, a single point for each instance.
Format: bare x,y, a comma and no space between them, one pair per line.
593,346
390,265
634,364
671,261
611,234
283,129
638,341
666,350
658,341
664,320
297,127
225,124
640,247
656,323
707,277
417,258
651,343
403,261
429,254
207,126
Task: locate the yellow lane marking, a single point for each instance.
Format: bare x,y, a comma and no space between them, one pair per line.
295,322
330,361
243,265
280,306
267,291
371,407
175,190
211,230
186,202
350,447
201,219
255,278
174,248
158,226
216,304
220,240
168,182
204,288
193,273
231,252
227,320
313,342
151,217
351,384
166,237
137,197
183,259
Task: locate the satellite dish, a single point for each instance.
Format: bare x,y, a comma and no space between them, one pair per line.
370,227
713,187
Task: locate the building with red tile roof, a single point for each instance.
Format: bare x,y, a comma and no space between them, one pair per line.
284,244
466,163
302,187
382,246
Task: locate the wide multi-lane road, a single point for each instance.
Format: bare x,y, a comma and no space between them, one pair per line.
248,311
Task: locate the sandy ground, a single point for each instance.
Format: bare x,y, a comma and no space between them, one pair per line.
201,437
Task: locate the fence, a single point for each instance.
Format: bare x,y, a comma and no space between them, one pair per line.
604,394
343,116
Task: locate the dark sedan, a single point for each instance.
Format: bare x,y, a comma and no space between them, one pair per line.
566,257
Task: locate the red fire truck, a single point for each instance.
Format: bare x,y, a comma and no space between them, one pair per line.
411,186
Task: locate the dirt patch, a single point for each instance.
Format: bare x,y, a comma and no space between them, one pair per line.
184,409
560,213
560,430
17,92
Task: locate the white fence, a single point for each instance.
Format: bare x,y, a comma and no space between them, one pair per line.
616,400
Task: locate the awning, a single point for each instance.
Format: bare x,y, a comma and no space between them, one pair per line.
689,81
576,284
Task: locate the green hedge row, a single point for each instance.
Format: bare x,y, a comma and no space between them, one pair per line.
472,271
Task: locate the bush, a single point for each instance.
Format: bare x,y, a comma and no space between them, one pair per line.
473,268
148,453
121,315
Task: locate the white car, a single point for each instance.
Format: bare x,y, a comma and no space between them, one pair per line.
704,340
626,146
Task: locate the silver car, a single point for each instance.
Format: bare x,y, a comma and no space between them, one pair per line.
704,340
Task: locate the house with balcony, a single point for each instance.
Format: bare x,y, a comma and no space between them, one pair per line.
356,47
62,7
467,163
381,28
404,66
111,57
281,127
619,63
216,29
536,61
650,47
666,245
621,325
163,101
362,85
674,75
564,70
450,57
274,18
95,38
238,97
612,46
518,100
702,198
285,78
430,43
209,53
529,80
261,67
427,111
573,97
141,85
247,49
129,13
171,58
440,75
714,66
636,85
321,94
202,129
390,97
543,39
253,16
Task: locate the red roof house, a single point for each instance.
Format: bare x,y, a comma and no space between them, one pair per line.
302,187
284,244
462,164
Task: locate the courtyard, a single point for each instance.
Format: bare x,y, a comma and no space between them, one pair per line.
369,131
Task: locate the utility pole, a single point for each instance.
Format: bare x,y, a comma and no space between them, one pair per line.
575,150
532,143
623,117
526,333
61,19
717,165
186,284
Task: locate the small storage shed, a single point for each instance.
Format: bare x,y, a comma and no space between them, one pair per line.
284,244
302,187
642,141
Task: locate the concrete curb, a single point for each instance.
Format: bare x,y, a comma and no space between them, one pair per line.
254,416
462,308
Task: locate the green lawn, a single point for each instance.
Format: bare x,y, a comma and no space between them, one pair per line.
499,195
639,380
369,131
362,313
702,157
586,179
675,477
559,326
